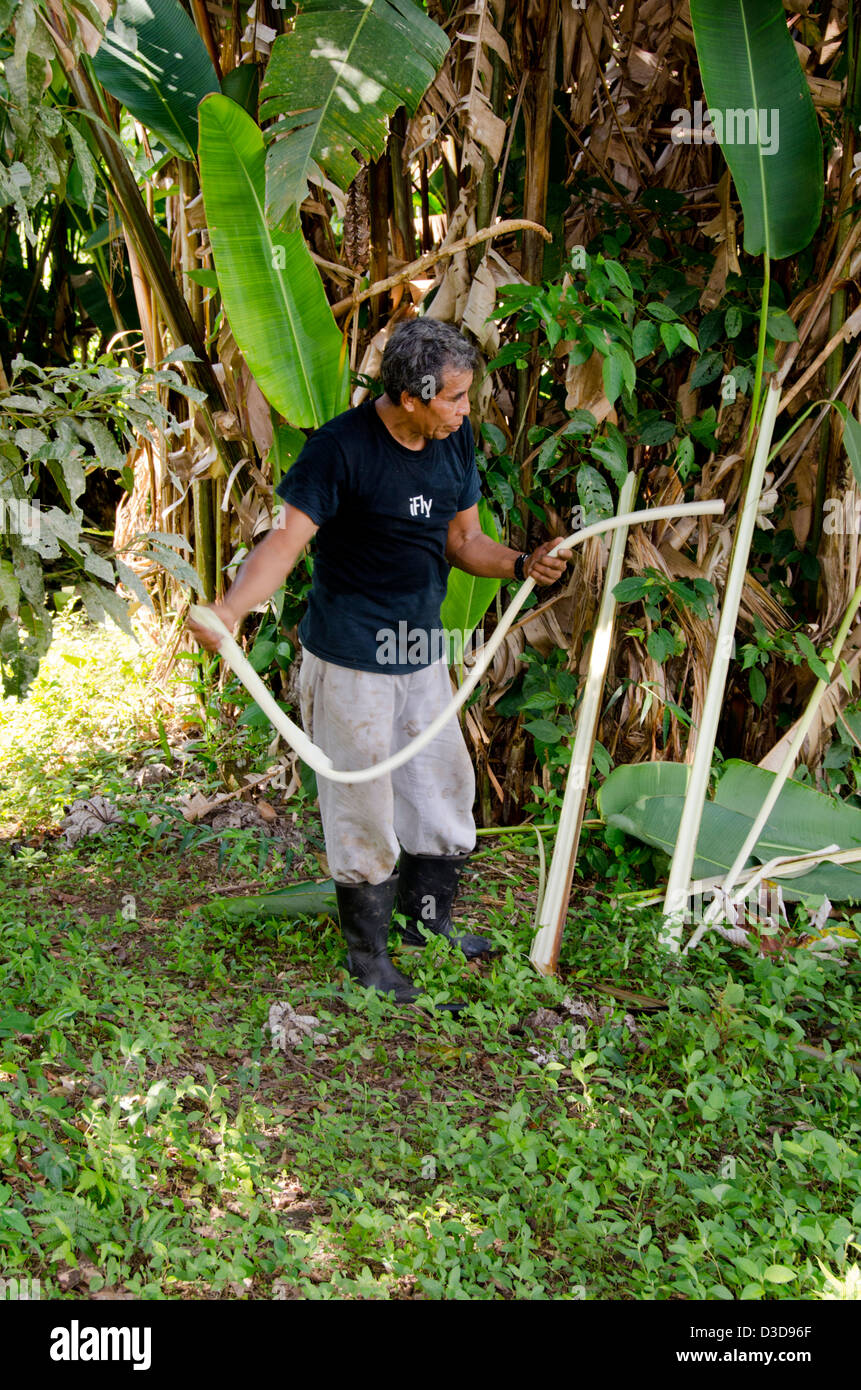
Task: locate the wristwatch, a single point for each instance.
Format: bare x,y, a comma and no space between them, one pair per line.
519,573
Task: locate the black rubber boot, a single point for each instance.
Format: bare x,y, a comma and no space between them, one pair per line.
364,914
426,893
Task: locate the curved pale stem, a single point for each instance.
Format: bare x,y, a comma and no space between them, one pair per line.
320,761
550,918
689,827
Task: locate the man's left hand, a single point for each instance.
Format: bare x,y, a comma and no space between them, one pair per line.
544,568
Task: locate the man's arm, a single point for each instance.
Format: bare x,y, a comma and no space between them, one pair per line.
261,572
469,549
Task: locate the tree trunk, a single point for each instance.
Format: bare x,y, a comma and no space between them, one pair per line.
536,30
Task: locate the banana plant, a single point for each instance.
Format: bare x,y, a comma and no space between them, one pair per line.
753,78
332,82
272,291
153,60
297,900
647,800
468,596
752,75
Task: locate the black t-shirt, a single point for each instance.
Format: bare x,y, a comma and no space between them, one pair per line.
383,510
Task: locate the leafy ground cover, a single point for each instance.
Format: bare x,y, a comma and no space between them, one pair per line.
671,1142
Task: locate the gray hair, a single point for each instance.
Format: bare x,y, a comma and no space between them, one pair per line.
416,353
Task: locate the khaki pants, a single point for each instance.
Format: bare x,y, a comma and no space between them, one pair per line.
359,718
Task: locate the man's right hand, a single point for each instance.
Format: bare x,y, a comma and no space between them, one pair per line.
203,636
260,574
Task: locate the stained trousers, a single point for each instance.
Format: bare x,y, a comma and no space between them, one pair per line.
359,718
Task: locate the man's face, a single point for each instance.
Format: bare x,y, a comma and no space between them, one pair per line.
443,413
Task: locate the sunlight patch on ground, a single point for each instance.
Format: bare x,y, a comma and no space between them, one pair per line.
88,702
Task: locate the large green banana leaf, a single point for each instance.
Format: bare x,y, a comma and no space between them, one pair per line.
655,820
272,292
801,815
334,79
298,900
469,596
749,64
153,60
631,781
647,803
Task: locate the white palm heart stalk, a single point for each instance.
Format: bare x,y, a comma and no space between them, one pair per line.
786,768
551,915
320,761
689,826
789,865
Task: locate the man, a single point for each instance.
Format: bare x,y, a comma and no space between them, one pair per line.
391,490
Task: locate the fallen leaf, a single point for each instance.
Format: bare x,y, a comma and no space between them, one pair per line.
92,816
289,1029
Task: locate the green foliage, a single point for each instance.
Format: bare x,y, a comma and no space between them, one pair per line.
642,319
91,688
646,799
43,147
60,425
272,292
545,698
332,81
841,765
748,63
153,60
851,437
232,731
655,590
636,316
468,596
152,1139
792,648
299,900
